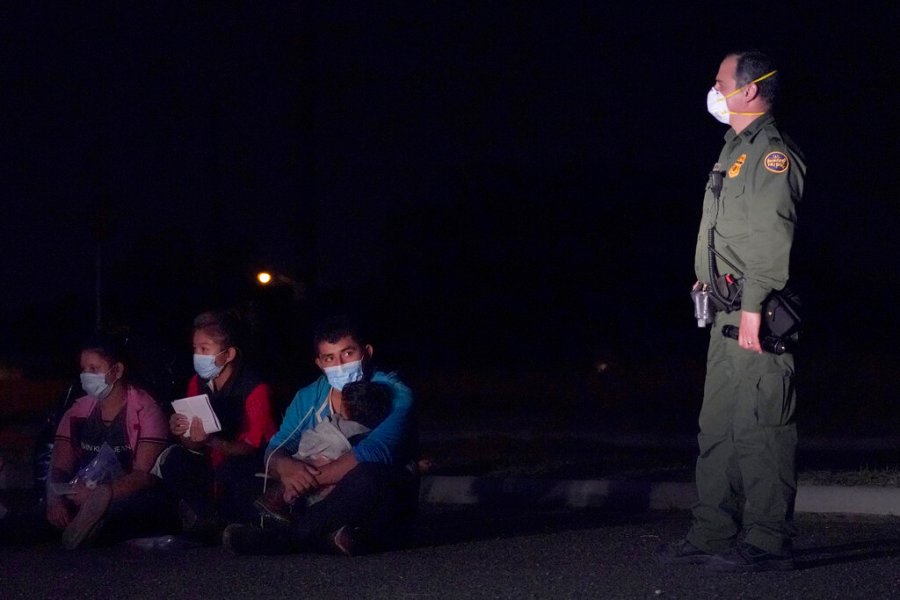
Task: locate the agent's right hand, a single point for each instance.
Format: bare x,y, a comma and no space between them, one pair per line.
297,477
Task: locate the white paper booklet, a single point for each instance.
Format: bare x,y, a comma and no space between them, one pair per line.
198,406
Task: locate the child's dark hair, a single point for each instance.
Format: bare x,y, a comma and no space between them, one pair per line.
367,402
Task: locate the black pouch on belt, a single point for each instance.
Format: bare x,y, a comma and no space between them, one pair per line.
781,313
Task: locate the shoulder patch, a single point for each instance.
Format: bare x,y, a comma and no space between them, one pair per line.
777,162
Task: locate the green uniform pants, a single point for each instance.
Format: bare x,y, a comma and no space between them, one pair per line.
746,470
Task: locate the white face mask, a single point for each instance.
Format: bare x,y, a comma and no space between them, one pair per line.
206,367
340,375
95,384
717,107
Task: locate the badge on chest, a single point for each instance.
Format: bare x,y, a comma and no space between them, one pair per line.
735,169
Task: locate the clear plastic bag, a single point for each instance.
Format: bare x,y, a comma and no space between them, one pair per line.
104,468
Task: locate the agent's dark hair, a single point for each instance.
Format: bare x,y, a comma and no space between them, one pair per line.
332,329
753,64
367,402
225,327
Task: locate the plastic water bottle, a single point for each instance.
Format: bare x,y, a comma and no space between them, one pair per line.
700,297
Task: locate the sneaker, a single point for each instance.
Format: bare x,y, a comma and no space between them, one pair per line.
276,511
682,553
342,542
747,558
252,539
84,526
198,525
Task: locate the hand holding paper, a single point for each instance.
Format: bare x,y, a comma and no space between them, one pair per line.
198,406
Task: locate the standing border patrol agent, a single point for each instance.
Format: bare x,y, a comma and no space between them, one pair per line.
746,471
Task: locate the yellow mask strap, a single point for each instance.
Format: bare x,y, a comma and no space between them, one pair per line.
757,80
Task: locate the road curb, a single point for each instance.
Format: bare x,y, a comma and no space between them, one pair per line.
637,496
869,500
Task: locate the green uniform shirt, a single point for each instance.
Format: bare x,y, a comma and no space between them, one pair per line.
756,212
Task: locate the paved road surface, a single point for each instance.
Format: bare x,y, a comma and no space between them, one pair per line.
476,552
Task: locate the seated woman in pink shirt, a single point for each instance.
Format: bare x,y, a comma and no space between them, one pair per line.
118,420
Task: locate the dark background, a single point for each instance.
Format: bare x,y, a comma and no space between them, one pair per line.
502,187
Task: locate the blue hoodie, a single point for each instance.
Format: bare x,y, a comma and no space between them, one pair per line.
392,442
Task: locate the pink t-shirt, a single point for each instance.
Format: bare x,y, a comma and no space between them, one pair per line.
144,419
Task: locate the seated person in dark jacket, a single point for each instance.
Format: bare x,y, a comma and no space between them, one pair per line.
212,475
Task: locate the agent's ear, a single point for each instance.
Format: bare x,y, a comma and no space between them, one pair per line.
369,350
751,92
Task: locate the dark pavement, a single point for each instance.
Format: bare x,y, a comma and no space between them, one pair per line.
478,552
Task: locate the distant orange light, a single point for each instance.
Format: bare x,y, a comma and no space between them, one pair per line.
264,277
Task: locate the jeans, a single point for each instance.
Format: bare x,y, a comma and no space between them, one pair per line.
377,501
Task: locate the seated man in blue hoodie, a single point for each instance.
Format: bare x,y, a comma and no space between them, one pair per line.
376,489
364,405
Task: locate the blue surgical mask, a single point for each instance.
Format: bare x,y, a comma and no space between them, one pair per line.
206,367
95,384
340,375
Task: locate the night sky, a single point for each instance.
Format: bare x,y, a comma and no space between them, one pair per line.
493,182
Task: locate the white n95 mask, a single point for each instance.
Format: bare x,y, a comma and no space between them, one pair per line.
717,107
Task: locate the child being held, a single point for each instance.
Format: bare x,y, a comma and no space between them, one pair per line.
364,405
